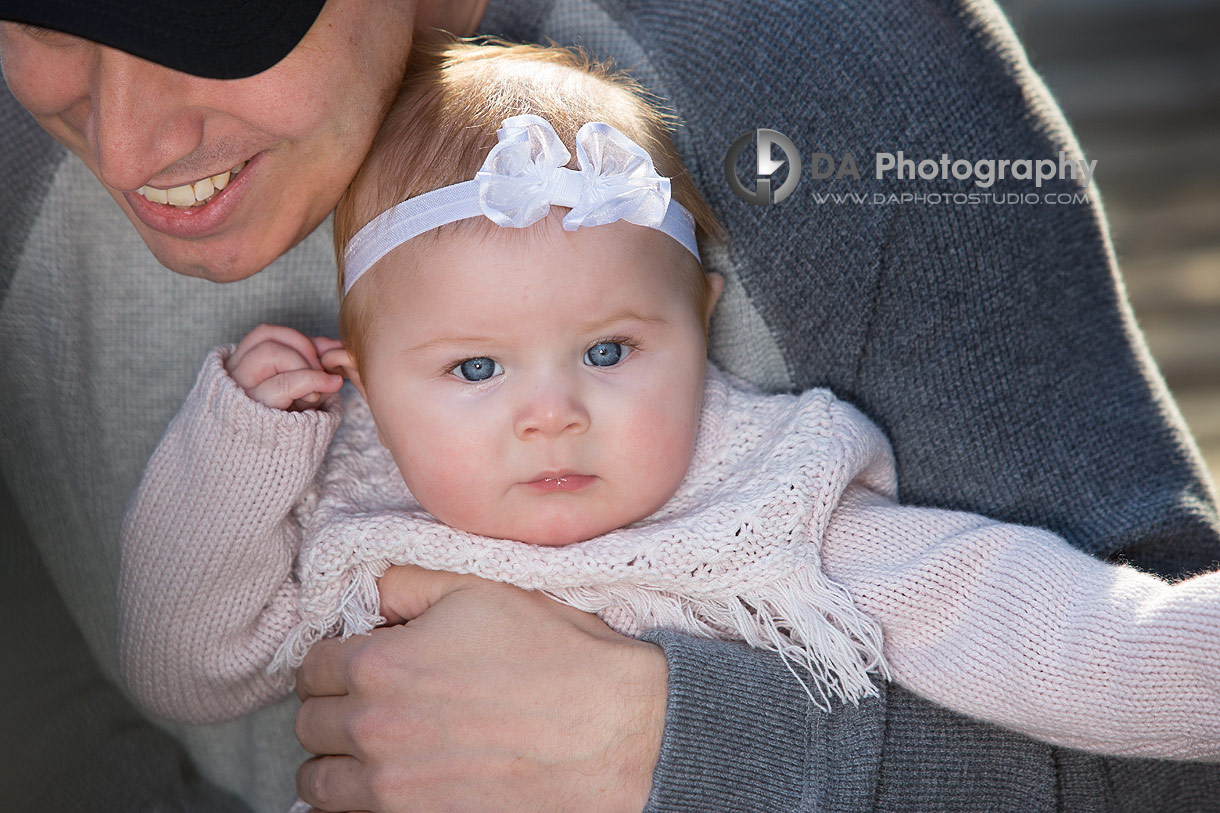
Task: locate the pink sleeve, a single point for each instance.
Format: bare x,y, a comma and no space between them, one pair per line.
1013,625
206,591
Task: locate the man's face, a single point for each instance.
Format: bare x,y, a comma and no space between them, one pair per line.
538,385
297,132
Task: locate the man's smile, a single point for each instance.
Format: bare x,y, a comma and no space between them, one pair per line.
177,218
195,193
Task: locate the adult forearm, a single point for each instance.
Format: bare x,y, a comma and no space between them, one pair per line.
741,734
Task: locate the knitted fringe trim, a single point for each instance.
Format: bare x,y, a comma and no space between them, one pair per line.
830,647
357,613
810,621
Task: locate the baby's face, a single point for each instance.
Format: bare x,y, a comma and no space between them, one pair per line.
539,385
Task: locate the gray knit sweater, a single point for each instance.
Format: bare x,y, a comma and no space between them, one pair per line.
990,343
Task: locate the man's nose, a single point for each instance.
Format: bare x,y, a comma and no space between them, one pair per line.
551,407
141,120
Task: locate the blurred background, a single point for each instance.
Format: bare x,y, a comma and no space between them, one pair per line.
1139,81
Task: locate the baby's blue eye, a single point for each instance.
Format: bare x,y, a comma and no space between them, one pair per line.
606,354
479,369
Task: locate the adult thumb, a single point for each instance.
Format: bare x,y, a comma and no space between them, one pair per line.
407,591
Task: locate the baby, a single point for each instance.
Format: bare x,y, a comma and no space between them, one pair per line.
524,317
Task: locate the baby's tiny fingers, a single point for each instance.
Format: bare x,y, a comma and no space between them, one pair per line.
279,335
336,359
265,360
323,344
289,390
311,401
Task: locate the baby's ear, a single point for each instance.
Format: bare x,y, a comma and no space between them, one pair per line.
339,360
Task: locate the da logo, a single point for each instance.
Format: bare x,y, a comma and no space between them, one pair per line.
766,166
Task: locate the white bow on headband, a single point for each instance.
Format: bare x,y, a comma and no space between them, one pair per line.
524,175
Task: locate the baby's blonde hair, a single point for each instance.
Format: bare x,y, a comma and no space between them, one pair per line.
443,123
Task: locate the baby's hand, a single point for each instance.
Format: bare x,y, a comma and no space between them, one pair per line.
282,368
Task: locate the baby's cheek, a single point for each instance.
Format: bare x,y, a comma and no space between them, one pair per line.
659,455
456,478
436,476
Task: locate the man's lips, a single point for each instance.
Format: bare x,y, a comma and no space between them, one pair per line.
194,221
560,481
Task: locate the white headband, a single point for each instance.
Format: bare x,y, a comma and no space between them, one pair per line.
524,175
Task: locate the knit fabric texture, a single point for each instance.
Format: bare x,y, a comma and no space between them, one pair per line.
1001,622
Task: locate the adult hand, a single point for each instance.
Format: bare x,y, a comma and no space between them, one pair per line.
490,697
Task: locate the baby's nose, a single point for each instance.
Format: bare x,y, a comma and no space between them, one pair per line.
551,410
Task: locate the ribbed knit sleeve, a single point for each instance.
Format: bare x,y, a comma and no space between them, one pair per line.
206,590
741,734
1014,626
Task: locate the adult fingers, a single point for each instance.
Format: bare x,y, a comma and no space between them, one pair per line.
285,390
495,698
326,670
334,783
277,334
324,725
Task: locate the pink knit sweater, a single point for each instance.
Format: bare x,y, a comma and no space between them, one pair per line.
252,534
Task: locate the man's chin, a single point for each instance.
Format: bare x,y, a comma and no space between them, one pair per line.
211,269
231,258
226,257
213,260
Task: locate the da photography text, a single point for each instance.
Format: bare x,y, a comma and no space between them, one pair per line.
983,173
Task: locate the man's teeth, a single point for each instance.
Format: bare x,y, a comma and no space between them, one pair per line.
191,194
